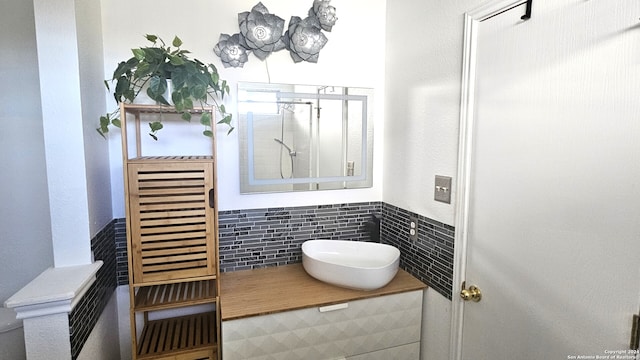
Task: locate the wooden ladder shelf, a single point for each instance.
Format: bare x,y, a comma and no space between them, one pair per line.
172,244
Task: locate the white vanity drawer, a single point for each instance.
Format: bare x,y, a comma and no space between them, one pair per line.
403,352
360,327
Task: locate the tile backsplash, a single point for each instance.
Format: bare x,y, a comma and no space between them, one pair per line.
257,238
273,236
430,257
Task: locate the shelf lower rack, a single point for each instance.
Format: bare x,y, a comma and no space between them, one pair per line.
192,334
166,296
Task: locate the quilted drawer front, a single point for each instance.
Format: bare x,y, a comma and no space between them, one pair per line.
365,326
403,352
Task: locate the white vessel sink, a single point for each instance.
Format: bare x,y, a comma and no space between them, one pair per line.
351,264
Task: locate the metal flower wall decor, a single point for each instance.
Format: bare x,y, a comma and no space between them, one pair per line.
261,33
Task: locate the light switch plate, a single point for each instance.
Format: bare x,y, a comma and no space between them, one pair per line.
443,189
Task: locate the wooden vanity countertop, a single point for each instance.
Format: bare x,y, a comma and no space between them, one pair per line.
264,291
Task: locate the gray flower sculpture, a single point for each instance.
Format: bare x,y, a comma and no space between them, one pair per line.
304,39
230,51
261,34
325,13
260,31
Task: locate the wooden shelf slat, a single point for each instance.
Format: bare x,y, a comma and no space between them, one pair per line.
180,335
167,296
171,281
170,158
150,108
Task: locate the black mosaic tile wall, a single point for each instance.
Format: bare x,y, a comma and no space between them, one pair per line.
430,257
122,262
85,315
258,238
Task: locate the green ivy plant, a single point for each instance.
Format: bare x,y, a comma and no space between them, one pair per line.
194,83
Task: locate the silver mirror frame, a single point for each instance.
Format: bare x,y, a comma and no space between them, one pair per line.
362,178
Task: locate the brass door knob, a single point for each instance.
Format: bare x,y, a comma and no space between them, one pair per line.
473,293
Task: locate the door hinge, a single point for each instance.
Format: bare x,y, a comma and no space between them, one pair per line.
635,333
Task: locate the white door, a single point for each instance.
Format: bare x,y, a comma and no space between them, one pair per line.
550,213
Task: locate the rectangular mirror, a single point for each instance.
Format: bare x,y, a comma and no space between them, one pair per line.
302,137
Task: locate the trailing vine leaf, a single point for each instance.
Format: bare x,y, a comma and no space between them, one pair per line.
225,120
177,42
179,77
208,133
104,126
188,103
194,82
205,119
199,91
129,94
121,70
104,121
177,98
157,88
154,54
121,86
138,54
224,87
155,126
179,106
176,60
142,70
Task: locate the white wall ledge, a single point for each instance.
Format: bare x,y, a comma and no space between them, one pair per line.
56,290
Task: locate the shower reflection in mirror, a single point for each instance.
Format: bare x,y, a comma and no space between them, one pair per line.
300,137
284,108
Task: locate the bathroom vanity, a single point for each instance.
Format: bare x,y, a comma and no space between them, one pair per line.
283,313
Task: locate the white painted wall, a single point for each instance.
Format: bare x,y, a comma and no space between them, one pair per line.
64,149
96,151
124,322
423,74
354,56
69,48
25,230
102,343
